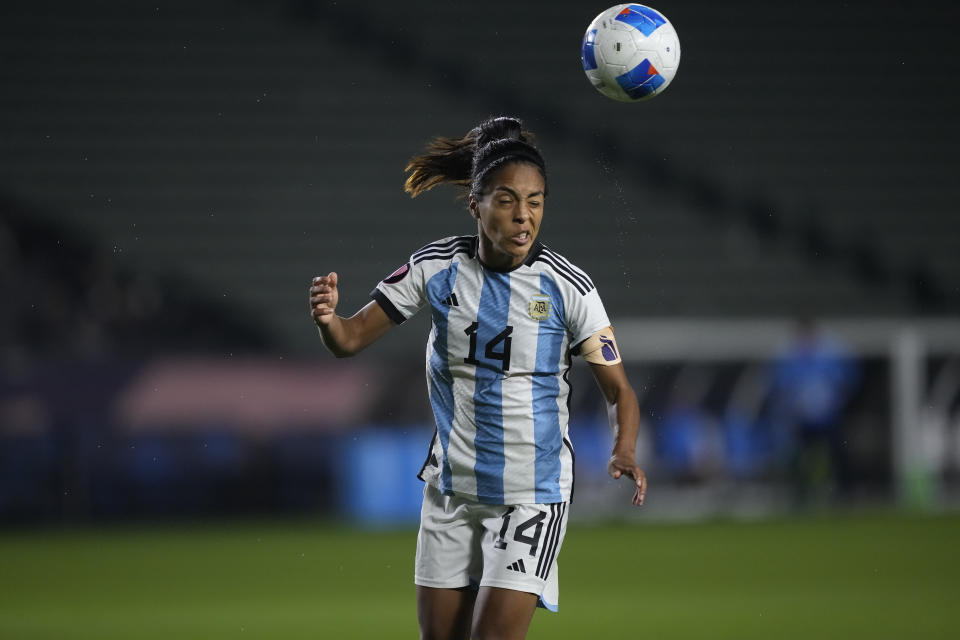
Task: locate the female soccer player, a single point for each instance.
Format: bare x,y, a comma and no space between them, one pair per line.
507,314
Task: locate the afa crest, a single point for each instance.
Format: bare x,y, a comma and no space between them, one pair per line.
539,307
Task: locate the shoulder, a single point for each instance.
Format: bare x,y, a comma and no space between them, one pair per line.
563,270
445,249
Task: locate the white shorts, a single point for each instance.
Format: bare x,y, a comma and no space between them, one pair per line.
465,543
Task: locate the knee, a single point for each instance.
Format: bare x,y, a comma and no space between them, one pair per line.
486,631
445,632
481,635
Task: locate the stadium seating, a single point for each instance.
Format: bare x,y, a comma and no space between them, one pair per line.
184,169
249,147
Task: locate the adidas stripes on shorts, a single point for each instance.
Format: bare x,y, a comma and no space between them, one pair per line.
467,543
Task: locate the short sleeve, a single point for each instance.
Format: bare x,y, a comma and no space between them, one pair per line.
402,293
585,316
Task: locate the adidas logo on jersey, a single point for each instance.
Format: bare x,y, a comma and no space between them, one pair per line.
517,566
451,300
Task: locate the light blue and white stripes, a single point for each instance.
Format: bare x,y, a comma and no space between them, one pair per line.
496,359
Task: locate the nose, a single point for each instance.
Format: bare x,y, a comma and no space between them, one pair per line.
521,212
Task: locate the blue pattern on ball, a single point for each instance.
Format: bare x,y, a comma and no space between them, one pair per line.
587,56
641,81
643,19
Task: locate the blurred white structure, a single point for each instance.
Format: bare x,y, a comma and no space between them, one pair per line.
925,418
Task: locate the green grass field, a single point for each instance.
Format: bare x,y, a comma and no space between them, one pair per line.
878,576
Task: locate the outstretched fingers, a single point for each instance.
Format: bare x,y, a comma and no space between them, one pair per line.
641,480
621,465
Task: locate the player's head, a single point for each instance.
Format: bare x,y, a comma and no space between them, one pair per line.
508,210
470,161
507,182
500,142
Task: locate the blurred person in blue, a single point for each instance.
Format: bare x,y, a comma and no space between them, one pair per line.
813,379
688,439
508,313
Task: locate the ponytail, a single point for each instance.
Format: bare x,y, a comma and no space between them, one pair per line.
445,160
470,160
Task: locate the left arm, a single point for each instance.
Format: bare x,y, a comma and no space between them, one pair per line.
623,412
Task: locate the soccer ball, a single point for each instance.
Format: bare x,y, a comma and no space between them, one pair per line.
630,52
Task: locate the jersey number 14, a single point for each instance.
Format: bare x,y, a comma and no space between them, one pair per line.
490,351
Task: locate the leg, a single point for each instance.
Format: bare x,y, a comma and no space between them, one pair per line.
503,614
519,551
445,614
840,462
447,559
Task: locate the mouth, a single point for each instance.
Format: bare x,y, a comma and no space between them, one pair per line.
521,238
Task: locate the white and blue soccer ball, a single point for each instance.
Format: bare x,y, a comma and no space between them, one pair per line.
630,52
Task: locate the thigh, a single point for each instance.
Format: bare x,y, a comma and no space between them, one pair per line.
448,543
520,549
502,614
445,614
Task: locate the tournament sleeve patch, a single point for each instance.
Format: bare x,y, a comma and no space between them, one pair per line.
398,275
600,348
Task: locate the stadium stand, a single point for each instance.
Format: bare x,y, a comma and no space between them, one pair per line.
67,297
248,147
171,176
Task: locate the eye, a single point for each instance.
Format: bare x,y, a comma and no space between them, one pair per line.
505,202
534,204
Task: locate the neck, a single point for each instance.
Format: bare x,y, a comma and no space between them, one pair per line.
496,260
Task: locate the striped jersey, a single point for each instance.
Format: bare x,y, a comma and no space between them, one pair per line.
497,360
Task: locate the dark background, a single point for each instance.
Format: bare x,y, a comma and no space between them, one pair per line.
172,175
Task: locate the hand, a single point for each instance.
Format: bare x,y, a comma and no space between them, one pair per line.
323,298
625,465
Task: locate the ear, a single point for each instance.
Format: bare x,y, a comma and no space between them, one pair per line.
474,208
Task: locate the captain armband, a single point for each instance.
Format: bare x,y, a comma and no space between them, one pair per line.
601,348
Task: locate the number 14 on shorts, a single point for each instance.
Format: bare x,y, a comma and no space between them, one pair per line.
531,536
520,532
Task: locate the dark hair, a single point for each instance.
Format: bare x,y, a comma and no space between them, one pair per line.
470,161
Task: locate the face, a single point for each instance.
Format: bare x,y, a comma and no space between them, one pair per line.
508,214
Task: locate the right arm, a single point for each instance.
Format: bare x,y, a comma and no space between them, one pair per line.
344,337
